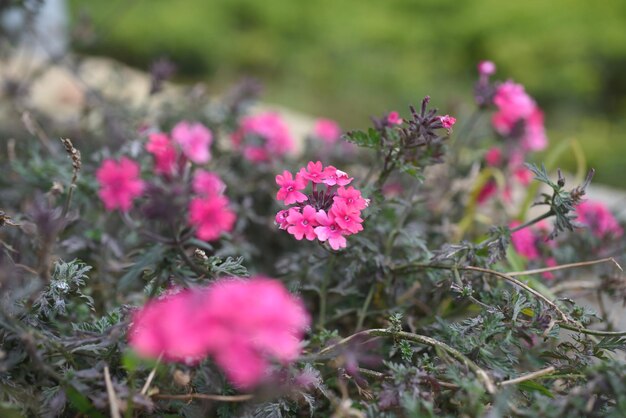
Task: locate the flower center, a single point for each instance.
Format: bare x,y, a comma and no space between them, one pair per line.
290,188
305,222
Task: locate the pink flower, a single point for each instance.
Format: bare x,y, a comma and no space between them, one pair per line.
119,183
314,172
447,121
249,321
513,104
493,157
281,219
302,224
346,218
351,198
550,262
327,130
333,176
160,146
194,139
207,183
290,189
523,175
486,68
525,242
211,216
534,138
599,219
240,323
394,118
270,130
329,230
488,190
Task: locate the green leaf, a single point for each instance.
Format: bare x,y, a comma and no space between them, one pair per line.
149,258
530,386
82,403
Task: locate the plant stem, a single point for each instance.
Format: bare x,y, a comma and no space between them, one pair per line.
364,308
566,266
593,331
422,339
219,398
324,291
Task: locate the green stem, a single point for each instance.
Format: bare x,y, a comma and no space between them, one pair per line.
324,291
365,307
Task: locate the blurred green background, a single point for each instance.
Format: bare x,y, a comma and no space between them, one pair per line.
349,59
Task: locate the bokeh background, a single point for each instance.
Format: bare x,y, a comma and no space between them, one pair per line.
349,59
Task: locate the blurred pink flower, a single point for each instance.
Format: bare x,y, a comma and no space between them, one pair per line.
194,139
163,151
211,216
206,183
486,68
534,138
327,130
493,157
525,242
242,324
394,118
290,188
119,183
270,130
487,191
599,219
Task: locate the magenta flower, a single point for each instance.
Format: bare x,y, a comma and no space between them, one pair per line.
263,137
599,219
302,223
314,172
347,218
447,121
332,177
534,138
206,183
486,68
211,216
281,219
240,323
525,242
328,230
119,183
487,191
194,139
493,157
290,188
163,151
327,130
352,198
394,118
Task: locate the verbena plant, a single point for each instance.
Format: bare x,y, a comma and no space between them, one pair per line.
135,261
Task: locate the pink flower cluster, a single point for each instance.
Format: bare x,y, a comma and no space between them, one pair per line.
119,183
263,137
599,219
327,130
209,211
517,110
329,213
241,324
193,139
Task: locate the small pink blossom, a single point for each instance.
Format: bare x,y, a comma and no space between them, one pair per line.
447,121
493,157
206,183
534,138
313,172
513,104
240,323
523,175
346,218
486,68
194,139
327,130
270,130
211,216
333,176
351,198
281,219
394,118
487,191
525,242
599,219
328,230
302,223
119,183
163,151
290,188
